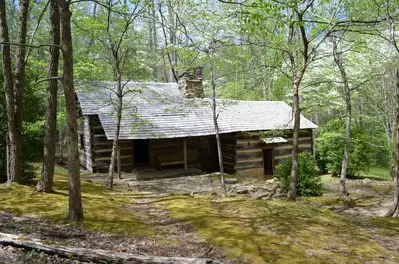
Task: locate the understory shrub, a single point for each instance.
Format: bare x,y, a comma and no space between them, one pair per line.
308,184
321,163
330,149
28,172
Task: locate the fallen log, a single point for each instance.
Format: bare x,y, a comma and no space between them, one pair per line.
94,255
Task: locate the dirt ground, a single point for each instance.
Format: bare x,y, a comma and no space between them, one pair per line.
172,238
373,197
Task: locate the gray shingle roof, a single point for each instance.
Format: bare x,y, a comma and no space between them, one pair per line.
159,110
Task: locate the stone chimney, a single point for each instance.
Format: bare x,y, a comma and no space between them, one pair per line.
190,83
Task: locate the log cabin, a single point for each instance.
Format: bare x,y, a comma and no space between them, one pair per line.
170,125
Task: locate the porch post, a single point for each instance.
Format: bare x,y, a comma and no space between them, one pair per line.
185,153
118,159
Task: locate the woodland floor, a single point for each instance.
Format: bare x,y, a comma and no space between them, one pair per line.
234,230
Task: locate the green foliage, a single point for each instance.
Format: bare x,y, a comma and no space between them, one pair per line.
32,127
309,183
330,149
32,140
321,163
28,172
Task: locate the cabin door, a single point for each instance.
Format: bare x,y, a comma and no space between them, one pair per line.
268,161
141,151
209,154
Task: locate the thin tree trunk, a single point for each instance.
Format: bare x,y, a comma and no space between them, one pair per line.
153,37
111,171
75,198
348,119
394,207
45,184
172,41
215,122
292,192
61,128
171,74
297,78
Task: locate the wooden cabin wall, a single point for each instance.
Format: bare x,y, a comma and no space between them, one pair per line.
170,152
283,151
249,153
229,143
102,149
84,141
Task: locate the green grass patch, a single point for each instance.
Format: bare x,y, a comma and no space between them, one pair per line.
103,210
389,226
376,173
278,231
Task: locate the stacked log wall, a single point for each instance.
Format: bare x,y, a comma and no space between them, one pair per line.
102,149
84,141
284,150
249,154
229,144
171,151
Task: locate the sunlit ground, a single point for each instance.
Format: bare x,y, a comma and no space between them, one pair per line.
253,231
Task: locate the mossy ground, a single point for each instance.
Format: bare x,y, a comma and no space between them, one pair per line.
253,231
103,210
282,231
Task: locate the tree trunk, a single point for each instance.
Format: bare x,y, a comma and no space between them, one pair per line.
19,85
14,90
75,199
297,78
394,207
94,255
45,183
348,119
118,107
292,192
172,40
215,122
8,92
111,171
153,37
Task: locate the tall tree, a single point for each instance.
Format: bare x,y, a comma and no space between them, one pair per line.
75,198
339,61
215,114
393,7
298,69
45,183
295,30
395,204
118,52
14,88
